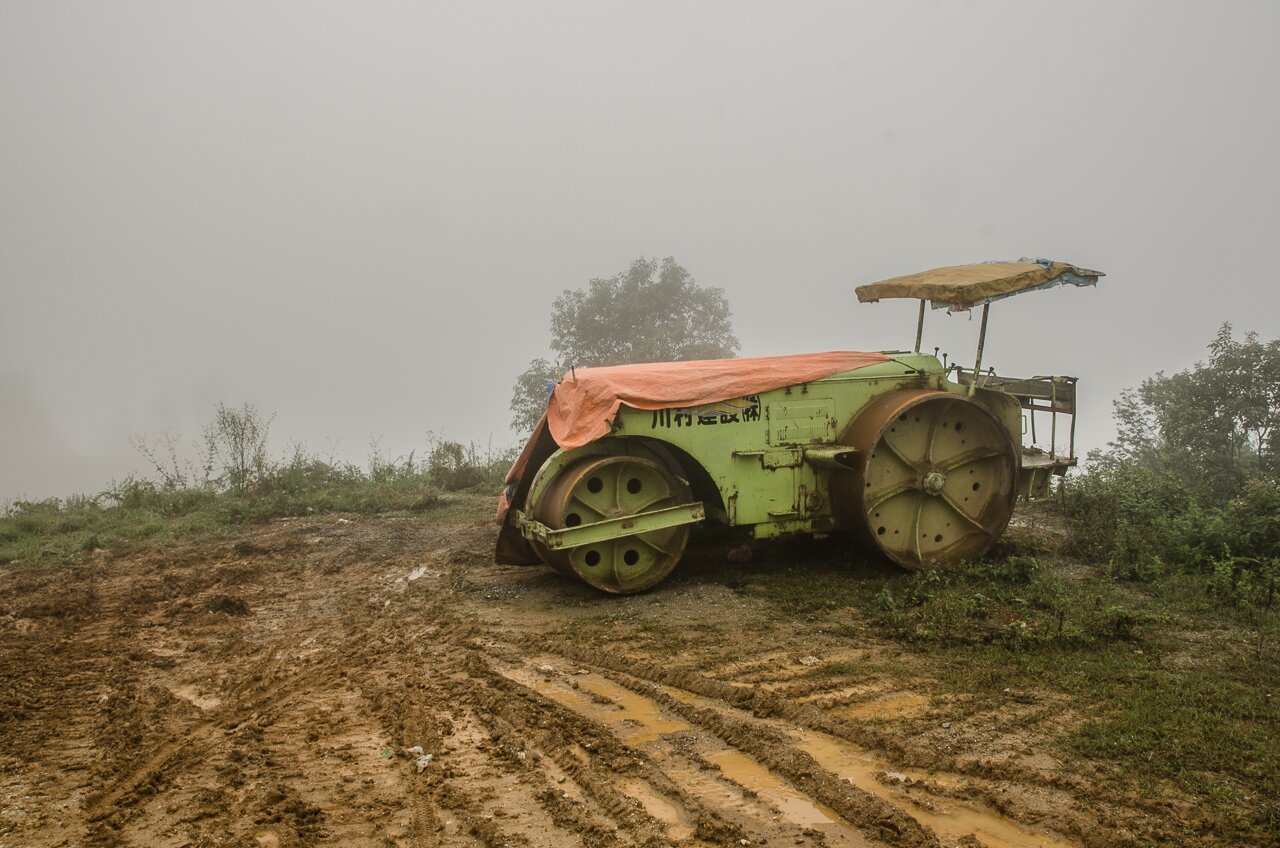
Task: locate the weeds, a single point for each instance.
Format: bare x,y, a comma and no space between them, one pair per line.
837,669
235,483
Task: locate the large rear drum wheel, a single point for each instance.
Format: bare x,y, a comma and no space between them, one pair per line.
935,482
597,488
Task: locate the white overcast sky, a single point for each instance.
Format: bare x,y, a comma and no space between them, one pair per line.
357,215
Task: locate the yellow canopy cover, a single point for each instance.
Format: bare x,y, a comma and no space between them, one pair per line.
963,286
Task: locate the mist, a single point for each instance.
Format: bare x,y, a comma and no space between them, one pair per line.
357,216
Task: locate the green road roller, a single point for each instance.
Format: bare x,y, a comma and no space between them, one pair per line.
917,460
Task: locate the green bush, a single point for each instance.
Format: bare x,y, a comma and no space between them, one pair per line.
1253,520
1189,486
455,466
1141,525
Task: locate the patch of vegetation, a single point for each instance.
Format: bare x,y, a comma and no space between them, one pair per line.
1016,601
805,594
1208,723
843,668
1191,485
235,483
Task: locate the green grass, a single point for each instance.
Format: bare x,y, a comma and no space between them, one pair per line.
1212,729
62,530
837,669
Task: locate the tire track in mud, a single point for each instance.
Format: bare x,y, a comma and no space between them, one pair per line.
564,766
762,767
497,777
812,751
603,790
673,773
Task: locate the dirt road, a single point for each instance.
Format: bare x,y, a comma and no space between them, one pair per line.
363,681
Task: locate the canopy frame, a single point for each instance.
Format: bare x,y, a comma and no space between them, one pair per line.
959,288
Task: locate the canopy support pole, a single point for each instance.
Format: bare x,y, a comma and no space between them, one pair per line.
982,341
920,326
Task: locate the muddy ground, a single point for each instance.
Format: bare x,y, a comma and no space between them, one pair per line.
378,681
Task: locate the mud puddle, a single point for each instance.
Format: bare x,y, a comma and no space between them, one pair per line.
678,825
793,804
634,719
950,819
642,718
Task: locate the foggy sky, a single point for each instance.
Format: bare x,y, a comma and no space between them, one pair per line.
357,215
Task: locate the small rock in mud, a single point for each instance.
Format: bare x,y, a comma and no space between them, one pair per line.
228,605
809,661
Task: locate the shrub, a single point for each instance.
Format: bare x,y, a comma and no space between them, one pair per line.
1114,622
1189,485
455,466
236,447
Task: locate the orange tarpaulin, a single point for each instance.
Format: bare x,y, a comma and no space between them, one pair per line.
585,403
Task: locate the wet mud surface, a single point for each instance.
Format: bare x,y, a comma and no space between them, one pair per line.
356,681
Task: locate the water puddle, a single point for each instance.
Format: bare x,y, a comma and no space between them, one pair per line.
678,825
951,819
891,706
796,807
635,719
642,716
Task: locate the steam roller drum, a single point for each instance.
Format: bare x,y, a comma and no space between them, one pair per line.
596,488
935,480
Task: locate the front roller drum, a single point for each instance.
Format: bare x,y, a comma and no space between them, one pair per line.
597,488
936,478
